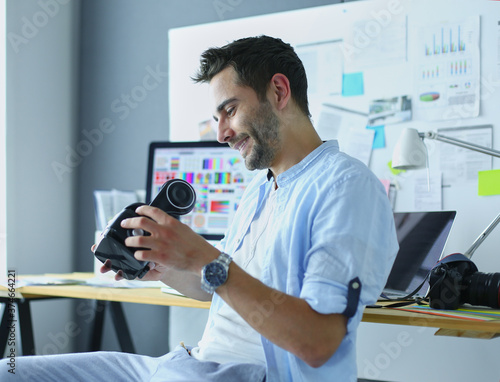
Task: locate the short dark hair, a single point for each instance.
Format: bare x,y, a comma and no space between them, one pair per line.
256,60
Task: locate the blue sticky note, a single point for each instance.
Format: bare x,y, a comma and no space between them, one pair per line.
352,84
379,138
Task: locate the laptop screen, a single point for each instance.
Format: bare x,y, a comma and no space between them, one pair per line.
216,172
422,237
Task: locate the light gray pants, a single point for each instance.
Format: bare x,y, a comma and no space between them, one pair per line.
177,365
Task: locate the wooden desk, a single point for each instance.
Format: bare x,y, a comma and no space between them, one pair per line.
154,296
456,327
104,296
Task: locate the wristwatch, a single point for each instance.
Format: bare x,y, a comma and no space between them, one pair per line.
215,273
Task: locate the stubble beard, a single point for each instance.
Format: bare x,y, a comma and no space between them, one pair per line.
263,129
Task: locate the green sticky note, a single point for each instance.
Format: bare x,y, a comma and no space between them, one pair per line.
394,170
488,182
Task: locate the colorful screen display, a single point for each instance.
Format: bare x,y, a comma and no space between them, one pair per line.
216,172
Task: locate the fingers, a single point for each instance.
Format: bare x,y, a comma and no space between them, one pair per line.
153,221
141,222
149,218
119,275
154,213
140,242
106,267
148,255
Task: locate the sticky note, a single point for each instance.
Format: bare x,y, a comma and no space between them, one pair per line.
394,170
379,138
387,185
352,84
488,182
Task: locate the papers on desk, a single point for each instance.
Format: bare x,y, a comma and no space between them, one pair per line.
47,280
106,282
98,281
102,281
466,312
170,290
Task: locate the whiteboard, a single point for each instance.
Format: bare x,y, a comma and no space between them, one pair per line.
385,74
188,102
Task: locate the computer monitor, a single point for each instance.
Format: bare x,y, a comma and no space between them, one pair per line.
216,172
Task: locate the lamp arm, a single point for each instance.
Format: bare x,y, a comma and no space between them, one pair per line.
481,237
458,142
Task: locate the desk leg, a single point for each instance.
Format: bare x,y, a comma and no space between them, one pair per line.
121,327
96,337
4,332
119,322
25,327
27,341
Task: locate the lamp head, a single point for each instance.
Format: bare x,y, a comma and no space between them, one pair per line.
410,152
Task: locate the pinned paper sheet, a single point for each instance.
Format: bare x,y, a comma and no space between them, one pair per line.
428,194
358,144
488,182
460,165
352,84
335,120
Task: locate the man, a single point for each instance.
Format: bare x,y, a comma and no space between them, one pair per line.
311,244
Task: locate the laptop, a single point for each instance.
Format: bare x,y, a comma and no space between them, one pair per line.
422,237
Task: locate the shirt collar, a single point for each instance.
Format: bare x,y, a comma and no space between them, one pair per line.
302,164
297,169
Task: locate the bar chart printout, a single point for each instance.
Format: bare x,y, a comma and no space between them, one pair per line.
447,70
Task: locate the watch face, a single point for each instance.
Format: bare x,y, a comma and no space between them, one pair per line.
215,274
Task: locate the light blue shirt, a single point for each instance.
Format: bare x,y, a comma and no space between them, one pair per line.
335,224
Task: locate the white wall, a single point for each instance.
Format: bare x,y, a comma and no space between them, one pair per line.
42,43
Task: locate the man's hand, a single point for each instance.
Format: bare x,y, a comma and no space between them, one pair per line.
175,252
171,244
106,267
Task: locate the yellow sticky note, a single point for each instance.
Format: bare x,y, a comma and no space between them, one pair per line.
393,170
488,182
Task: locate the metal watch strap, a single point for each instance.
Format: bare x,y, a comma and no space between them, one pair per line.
223,260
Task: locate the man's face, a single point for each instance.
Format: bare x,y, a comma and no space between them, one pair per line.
245,123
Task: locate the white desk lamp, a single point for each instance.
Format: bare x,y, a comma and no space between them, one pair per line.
410,153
